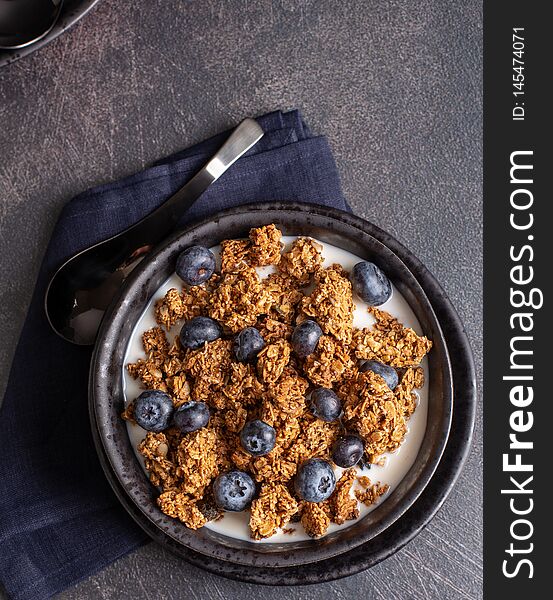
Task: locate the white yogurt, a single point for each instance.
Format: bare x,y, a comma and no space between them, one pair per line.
397,464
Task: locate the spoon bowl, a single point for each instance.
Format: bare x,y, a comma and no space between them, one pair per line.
83,287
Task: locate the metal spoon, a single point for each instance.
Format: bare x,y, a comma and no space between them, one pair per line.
83,287
23,22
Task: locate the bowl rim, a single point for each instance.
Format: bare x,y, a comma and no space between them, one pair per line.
216,545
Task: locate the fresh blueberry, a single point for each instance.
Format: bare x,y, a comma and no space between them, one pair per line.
248,344
370,284
195,265
153,410
315,480
233,490
387,373
191,416
325,404
257,437
347,450
197,331
306,337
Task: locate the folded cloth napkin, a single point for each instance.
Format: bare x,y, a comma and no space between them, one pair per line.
59,520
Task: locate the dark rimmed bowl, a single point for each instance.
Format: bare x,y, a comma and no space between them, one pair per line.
106,391
71,12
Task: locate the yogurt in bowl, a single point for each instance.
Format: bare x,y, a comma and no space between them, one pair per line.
390,469
106,393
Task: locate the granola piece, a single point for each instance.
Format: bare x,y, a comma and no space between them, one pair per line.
209,367
285,296
243,387
225,442
288,393
234,255
275,466
296,517
155,342
372,492
388,341
272,360
164,367
176,349
266,245
193,303
288,530
182,507
197,463
303,259
372,410
235,418
169,309
318,436
331,303
242,460
155,450
128,413
179,388
149,373
330,363
284,420
314,519
171,366
288,429
271,510
239,300
150,370
413,378
315,439
273,330
342,506
364,481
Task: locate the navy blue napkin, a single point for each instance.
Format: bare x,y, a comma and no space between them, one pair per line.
59,520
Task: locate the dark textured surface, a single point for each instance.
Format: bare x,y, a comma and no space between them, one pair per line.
397,89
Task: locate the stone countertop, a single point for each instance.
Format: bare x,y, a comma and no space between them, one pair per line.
395,86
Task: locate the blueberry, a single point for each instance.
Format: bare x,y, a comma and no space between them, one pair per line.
347,450
257,438
306,337
387,373
370,284
197,331
195,265
247,344
191,416
153,410
325,404
233,490
315,480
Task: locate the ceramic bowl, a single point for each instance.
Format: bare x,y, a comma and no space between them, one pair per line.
107,399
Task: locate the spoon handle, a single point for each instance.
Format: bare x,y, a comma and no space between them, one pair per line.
83,287
167,216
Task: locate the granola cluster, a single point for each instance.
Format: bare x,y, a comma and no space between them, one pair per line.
274,388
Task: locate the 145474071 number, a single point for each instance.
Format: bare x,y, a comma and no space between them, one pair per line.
518,73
